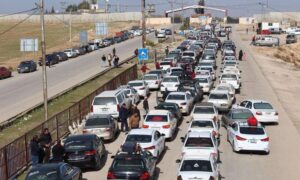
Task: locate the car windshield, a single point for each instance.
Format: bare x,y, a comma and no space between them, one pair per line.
204,110
176,70
202,80
188,54
128,164
43,174
78,144
155,72
150,77
223,88
22,64
176,97
165,63
252,130
228,76
97,122
105,101
170,79
199,142
242,115
187,60
202,124
157,118
218,96
133,84
166,106
204,68
196,165
262,105
208,57
139,138
230,62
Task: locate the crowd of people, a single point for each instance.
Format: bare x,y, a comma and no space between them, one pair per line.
111,58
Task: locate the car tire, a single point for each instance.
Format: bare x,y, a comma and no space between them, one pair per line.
98,163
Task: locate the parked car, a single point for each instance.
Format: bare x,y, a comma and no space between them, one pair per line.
51,171
183,99
71,53
291,38
103,125
140,86
84,151
5,73
172,107
267,41
236,115
221,100
61,56
169,83
152,80
27,66
131,93
51,59
205,110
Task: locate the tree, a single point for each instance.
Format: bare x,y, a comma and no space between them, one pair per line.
52,10
94,1
72,8
84,5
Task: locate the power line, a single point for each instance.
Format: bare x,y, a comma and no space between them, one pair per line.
20,12
20,22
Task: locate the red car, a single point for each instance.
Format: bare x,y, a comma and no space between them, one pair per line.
4,72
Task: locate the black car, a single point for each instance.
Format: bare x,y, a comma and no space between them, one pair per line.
61,56
132,164
54,171
84,151
168,31
51,59
27,66
172,107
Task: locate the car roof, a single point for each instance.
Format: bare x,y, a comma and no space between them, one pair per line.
195,157
166,103
108,93
240,110
215,91
245,124
92,115
171,77
158,112
199,134
202,119
257,101
81,136
156,75
46,166
136,81
204,104
141,132
177,93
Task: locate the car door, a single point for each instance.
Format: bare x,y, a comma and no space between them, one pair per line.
232,132
173,122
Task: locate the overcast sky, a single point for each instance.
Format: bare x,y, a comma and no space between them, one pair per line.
235,7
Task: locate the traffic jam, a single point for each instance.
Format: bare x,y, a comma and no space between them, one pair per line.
196,84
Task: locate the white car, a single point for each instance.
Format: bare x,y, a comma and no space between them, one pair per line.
188,53
70,53
229,58
203,73
231,70
262,110
152,80
199,143
226,87
205,82
221,99
140,86
173,69
149,139
207,68
245,137
170,83
161,34
195,167
183,99
232,79
131,94
204,125
230,64
165,65
161,120
205,110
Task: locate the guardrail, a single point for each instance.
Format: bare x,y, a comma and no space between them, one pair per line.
16,155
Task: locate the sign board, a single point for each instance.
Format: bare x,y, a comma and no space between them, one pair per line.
101,28
29,45
83,37
143,54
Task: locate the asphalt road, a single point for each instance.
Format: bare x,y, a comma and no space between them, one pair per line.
23,91
281,163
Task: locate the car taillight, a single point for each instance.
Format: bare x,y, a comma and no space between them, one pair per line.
145,176
265,139
166,126
110,175
179,178
92,109
118,108
89,153
276,113
258,113
145,126
239,138
142,88
183,103
150,148
84,131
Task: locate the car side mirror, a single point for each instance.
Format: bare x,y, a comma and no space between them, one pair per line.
182,139
178,161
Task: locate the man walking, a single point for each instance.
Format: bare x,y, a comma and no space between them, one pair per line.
103,60
135,117
167,50
109,58
123,115
58,152
34,150
45,141
144,69
146,105
114,51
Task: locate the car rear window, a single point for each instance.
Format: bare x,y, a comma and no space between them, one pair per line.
167,107
196,165
97,122
169,79
241,115
175,97
202,124
139,138
218,96
204,110
43,174
105,101
202,80
150,77
165,63
252,130
262,106
228,76
133,84
199,142
128,164
78,144
188,54
156,118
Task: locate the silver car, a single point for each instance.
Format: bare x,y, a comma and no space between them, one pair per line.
236,115
103,125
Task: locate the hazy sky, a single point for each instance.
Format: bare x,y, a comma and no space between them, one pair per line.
235,7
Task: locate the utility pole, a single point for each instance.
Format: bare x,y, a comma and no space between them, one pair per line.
172,20
43,44
70,27
143,23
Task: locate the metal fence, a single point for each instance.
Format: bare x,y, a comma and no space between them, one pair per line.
16,155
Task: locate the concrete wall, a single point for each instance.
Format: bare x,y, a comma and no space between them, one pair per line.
158,21
200,20
53,18
278,17
246,20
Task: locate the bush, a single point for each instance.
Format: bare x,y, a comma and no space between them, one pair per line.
150,43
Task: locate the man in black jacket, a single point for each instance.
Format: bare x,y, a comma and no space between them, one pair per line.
45,141
58,152
34,150
146,105
123,115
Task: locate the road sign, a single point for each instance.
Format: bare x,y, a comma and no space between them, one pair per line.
101,28
29,45
143,54
83,37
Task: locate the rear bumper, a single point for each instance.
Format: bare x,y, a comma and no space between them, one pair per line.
273,119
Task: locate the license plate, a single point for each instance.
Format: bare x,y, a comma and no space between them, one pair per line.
252,140
268,113
104,109
155,127
76,158
169,85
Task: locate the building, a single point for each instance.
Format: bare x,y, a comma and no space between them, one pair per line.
246,20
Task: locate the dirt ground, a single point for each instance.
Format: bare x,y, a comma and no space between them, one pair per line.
280,65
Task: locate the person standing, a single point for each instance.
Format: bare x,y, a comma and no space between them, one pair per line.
45,141
144,69
136,52
116,61
135,117
58,152
114,51
241,55
103,58
167,50
146,105
157,65
247,30
34,150
109,59
123,115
